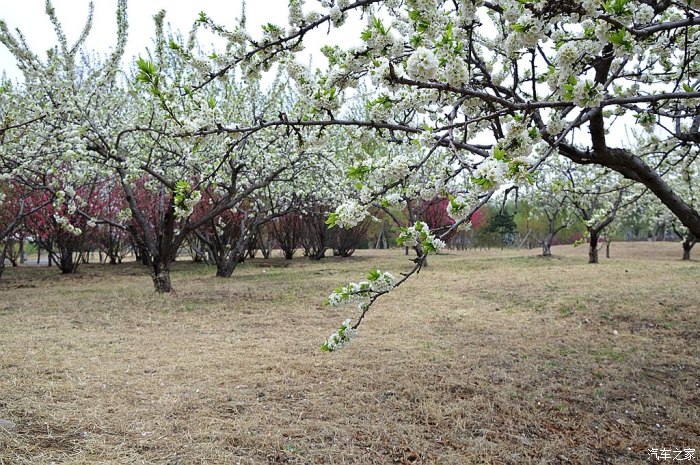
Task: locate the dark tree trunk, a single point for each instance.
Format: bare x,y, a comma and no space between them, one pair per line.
2,259
607,249
547,242
264,244
66,263
227,251
317,254
687,247
161,278
226,267
546,247
144,257
593,247
66,259
22,253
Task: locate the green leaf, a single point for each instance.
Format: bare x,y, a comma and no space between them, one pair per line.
448,36
332,220
428,247
498,153
483,182
357,172
379,26
617,7
147,71
374,275
181,192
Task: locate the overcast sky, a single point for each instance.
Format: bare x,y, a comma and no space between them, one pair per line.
29,17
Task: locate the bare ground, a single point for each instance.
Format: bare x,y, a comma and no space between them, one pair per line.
496,357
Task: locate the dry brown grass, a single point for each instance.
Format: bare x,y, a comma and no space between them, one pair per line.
488,357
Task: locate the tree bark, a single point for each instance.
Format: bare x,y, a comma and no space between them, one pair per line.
2,259
688,244
547,247
593,247
225,268
161,279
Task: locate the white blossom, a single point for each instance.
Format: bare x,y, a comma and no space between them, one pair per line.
422,65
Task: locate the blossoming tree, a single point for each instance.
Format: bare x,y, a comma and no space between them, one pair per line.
482,83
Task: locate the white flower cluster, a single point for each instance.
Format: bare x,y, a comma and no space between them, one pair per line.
349,214
382,281
124,215
186,207
517,141
422,65
419,234
556,124
456,73
296,15
567,55
337,16
587,94
339,338
492,171
457,208
527,32
600,215
377,282
642,13
63,222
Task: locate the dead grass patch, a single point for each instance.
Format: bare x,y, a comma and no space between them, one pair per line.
496,357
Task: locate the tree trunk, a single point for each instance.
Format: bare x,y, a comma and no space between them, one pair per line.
546,248
547,245
2,260
607,249
22,253
228,258
687,247
225,268
66,263
160,272
317,254
593,247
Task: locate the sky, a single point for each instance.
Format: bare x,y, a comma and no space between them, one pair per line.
29,17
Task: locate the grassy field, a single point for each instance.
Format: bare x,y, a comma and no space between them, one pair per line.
494,356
